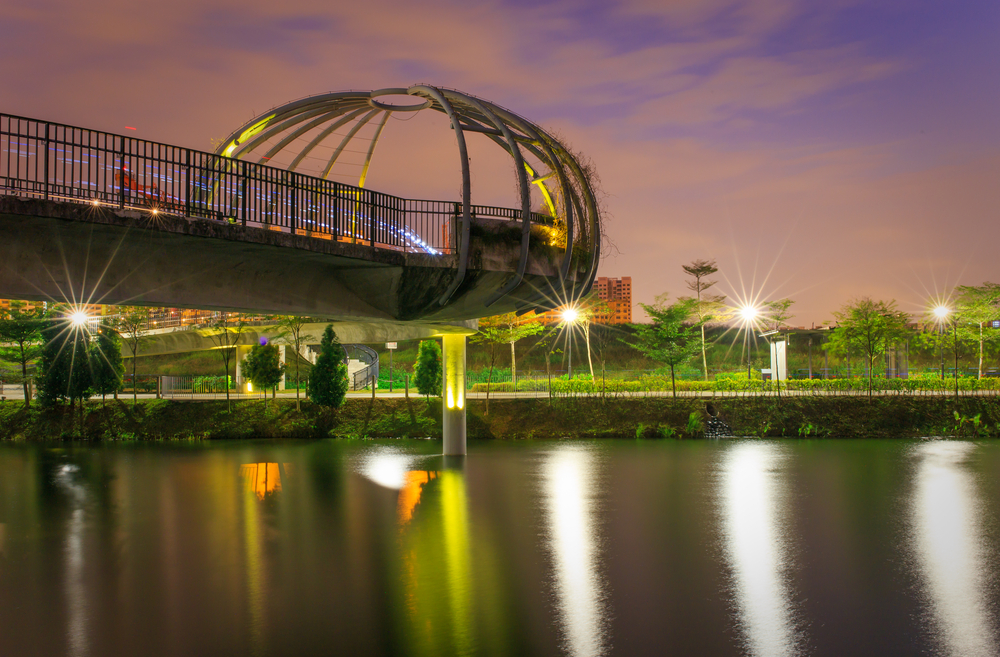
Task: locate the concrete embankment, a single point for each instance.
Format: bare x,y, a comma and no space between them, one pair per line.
835,417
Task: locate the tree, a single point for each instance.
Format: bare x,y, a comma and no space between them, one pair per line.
427,370
64,366
327,384
508,328
493,334
671,338
778,311
291,329
133,327
226,338
709,307
106,363
977,307
590,306
264,368
868,327
21,335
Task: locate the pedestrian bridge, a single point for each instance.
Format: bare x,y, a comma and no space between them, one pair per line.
93,217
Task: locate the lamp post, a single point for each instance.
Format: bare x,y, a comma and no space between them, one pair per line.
569,316
942,313
748,313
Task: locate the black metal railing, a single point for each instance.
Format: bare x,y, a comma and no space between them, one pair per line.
54,161
367,375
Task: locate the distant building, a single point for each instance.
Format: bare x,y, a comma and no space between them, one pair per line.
616,293
28,305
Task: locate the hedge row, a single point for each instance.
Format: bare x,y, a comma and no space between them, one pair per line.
735,384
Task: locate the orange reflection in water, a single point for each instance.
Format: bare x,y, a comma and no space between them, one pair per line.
263,479
409,494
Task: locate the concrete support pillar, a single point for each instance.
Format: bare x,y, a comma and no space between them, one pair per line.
281,360
453,379
239,353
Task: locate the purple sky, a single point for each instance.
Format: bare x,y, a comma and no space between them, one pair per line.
817,150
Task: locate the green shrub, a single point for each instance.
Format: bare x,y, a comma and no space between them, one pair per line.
695,425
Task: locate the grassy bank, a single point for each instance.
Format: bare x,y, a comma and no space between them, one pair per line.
838,417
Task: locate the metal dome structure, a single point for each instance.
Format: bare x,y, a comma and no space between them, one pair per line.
289,135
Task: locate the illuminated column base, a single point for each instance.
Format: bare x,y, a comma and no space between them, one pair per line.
453,376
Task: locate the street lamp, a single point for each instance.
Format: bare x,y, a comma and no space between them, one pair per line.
569,316
78,318
748,313
942,312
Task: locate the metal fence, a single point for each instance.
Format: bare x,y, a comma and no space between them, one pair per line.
556,383
54,161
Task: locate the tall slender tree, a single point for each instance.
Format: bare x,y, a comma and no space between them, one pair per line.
508,329
978,306
590,307
21,339
133,327
708,307
493,333
291,328
225,334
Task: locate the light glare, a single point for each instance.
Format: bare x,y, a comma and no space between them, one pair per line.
941,312
569,315
748,313
79,318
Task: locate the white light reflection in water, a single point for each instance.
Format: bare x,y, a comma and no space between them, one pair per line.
385,467
752,499
949,547
568,475
76,595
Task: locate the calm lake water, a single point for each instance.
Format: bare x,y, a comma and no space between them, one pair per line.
540,548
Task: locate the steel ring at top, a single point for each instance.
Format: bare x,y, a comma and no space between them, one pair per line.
395,108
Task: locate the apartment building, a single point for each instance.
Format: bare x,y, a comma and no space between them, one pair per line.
616,293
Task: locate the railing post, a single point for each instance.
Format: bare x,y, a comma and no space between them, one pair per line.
293,190
244,191
45,172
187,173
121,173
371,219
